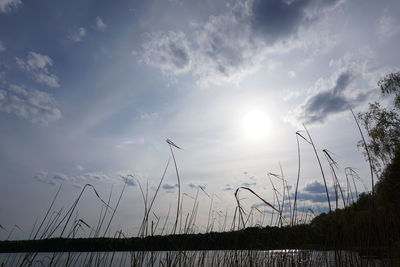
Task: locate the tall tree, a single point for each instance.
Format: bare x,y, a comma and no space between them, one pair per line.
383,124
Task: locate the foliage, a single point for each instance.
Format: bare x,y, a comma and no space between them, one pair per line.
383,124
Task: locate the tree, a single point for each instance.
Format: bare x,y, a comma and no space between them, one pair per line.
383,124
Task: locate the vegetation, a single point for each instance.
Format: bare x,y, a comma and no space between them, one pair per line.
368,223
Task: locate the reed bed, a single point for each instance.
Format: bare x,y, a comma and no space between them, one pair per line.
284,213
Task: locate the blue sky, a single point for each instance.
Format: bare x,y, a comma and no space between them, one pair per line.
90,91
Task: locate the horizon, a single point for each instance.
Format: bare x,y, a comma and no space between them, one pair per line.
91,90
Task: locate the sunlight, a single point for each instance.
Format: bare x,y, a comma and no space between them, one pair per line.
255,124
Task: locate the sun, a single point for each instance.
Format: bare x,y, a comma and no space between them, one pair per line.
255,124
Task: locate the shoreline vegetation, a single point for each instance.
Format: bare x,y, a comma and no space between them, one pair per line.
367,223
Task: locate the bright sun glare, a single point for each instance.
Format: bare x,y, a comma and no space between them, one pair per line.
255,124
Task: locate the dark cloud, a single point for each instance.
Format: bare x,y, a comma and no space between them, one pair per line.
336,99
314,187
316,193
169,187
193,186
60,177
130,181
316,209
315,198
231,45
228,188
276,19
258,205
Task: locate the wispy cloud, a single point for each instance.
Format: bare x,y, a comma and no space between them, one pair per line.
9,5
2,47
38,65
78,34
31,104
388,26
100,25
249,184
80,179
54,178
168,51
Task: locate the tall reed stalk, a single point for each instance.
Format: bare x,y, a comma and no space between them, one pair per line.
320,167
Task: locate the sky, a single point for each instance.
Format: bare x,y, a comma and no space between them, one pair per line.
90,91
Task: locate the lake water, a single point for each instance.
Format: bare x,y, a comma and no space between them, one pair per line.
194,258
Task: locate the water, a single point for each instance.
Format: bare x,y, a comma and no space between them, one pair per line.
193,258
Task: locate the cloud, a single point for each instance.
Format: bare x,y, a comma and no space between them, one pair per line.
315,192
53,178
31,104
100,25
42,177
193,186
169,187
79,167
314,187
227,49
60,177
228,188
95,176
78,34
231,45
38,65
258,205
148,116
319,106
169,51
316,209
292,74
8,5
387,26
248,184
350,86
2,46
278,19
130,182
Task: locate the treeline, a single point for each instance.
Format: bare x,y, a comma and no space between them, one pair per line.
373,222
250,238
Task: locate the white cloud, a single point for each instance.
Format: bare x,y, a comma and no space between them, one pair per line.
388,26
232,45
8,5
168,51
292,74
55,178
79,167
2,47
34,105
100,25
149,116
227,49
78,34
38,65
